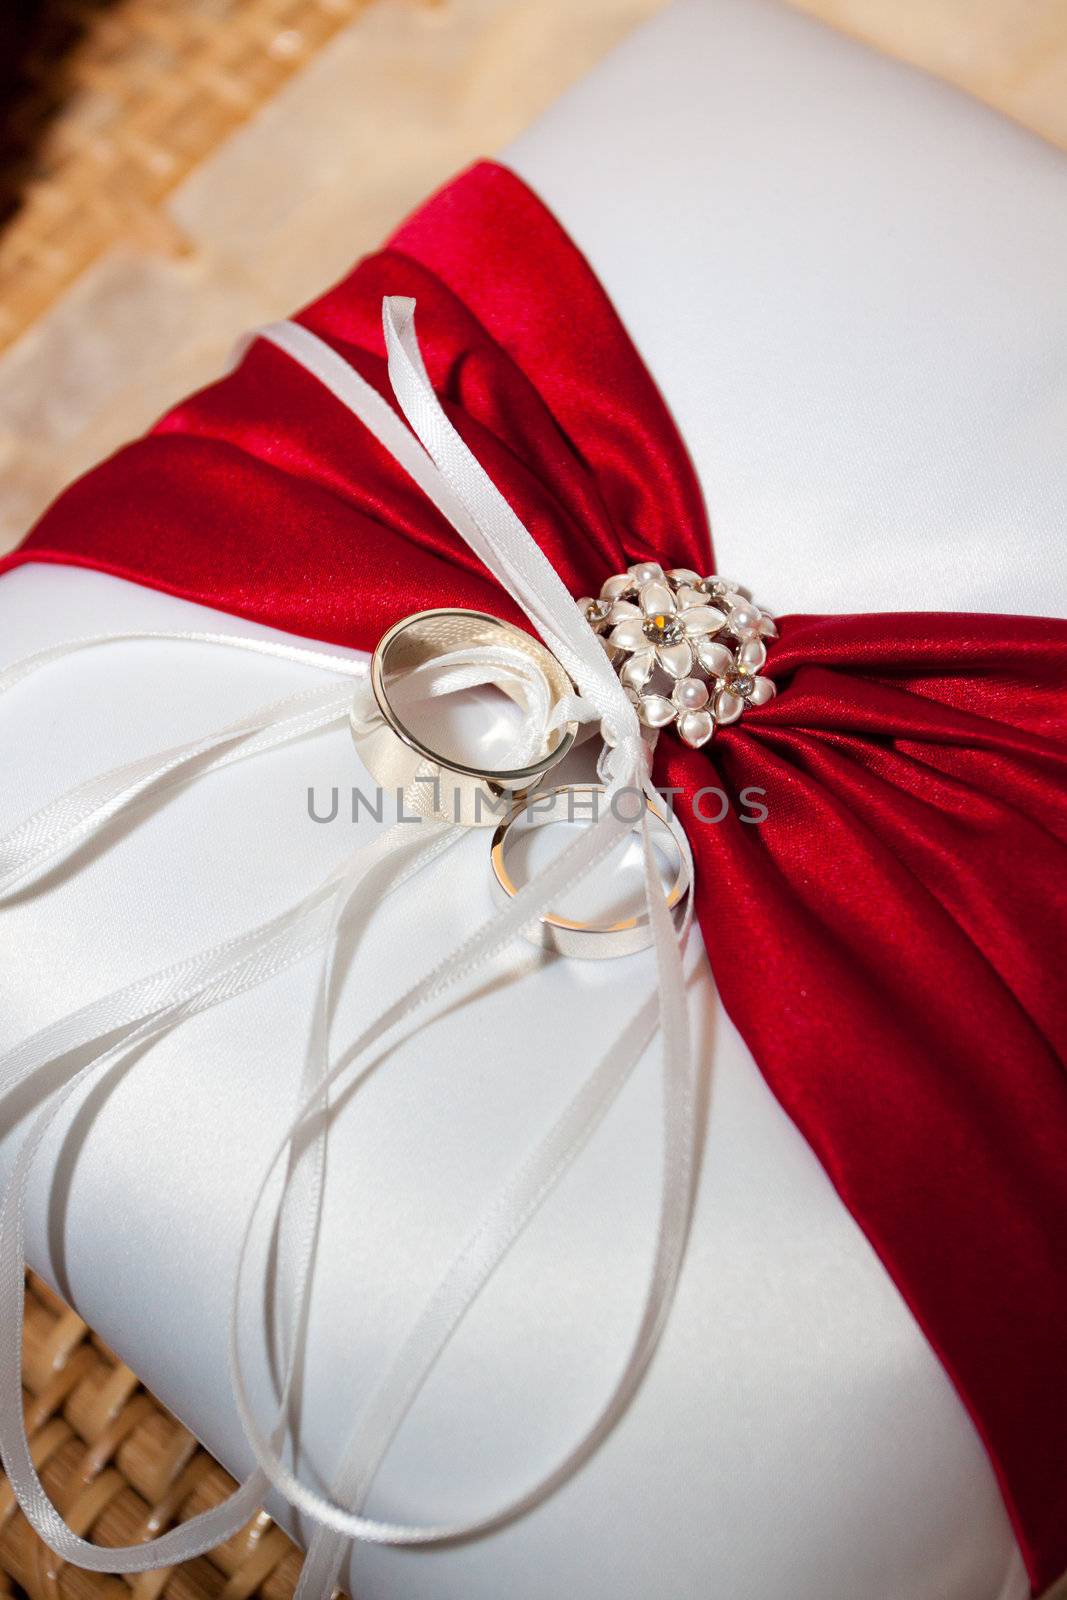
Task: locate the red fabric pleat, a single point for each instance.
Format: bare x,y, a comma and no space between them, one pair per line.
889,942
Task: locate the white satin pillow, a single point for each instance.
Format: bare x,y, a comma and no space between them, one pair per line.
844,277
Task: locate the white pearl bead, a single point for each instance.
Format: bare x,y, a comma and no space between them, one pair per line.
691,694
744,617
646,572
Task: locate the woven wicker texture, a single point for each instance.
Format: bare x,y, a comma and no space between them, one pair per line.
114,102
121,1469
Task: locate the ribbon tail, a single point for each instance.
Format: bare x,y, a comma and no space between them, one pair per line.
81,812
78,815
456,1292
298,1213
143,1011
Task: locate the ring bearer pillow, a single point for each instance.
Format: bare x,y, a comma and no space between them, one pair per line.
844,280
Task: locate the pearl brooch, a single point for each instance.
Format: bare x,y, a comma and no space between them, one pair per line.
688,649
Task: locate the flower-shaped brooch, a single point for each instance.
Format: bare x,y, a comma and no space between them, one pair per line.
688,649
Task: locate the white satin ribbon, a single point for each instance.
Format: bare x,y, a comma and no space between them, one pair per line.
456,483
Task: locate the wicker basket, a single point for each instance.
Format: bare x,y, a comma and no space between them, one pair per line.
113,103
121,1469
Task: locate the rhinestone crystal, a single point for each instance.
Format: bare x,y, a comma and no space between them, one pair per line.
662,629
717,589
739,681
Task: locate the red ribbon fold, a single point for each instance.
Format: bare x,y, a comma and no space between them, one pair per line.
900,917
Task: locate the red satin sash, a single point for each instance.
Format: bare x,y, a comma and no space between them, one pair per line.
901,915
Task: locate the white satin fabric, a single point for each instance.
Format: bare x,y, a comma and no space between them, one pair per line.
866,386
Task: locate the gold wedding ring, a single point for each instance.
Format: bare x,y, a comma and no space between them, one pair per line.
588,941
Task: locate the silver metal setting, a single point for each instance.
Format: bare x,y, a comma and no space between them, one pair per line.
397,758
